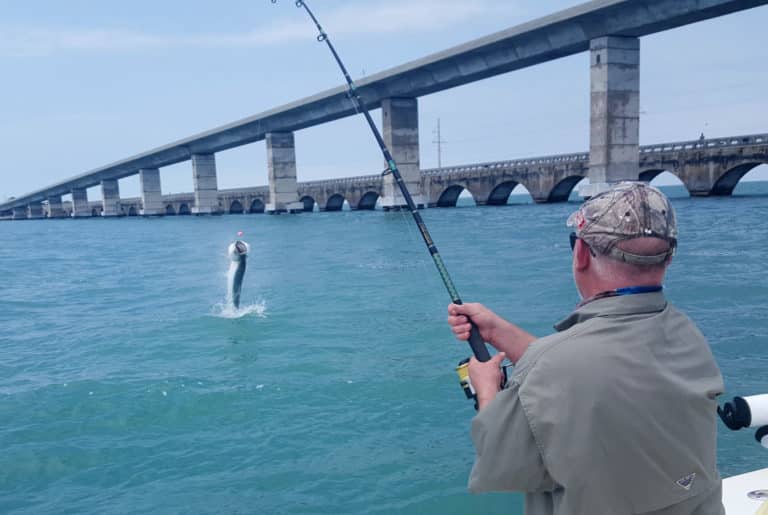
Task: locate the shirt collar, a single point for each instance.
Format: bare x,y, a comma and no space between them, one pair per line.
614,306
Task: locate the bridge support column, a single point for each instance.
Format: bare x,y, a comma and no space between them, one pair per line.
206,187
615,112
55,210
401,134
151,195
19,213
110,192
80,203
35,210
281,159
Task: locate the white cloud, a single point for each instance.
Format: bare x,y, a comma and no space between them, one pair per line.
375,17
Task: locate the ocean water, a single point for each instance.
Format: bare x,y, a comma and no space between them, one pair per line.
126,386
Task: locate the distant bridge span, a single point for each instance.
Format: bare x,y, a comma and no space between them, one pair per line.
705,167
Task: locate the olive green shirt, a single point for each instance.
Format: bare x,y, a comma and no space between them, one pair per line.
614,414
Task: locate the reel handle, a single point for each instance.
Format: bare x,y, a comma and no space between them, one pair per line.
462,369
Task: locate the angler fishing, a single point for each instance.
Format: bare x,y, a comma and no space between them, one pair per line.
584,425
476,342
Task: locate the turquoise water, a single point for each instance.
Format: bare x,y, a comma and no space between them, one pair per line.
125,388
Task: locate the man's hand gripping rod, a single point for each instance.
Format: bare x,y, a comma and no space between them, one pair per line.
475,340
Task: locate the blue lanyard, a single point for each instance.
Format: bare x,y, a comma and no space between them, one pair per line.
632,290
618,292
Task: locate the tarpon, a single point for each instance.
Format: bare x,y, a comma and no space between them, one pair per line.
238,252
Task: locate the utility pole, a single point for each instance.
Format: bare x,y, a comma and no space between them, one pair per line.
439,142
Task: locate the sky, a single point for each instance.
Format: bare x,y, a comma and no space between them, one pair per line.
87,83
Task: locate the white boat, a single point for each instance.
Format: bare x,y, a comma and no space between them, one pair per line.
746,494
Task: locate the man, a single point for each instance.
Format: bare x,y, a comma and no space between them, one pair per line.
615,413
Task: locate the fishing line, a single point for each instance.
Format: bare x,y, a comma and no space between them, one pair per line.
413,237
475,340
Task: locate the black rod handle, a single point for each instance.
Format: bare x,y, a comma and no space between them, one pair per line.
478,345
476,342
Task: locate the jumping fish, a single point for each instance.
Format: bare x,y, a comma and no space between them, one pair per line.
238,252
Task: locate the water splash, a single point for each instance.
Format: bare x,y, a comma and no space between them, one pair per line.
227,310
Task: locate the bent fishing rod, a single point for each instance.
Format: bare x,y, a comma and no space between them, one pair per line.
475,340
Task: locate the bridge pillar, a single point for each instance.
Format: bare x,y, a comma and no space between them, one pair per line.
281,159
206,187
19,213
55,209
110,192
615,112
80,203
35,210
400,118
151,194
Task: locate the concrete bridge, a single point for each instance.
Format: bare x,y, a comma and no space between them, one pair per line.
705,167
608,29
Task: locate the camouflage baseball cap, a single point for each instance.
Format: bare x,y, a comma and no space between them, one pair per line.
626,211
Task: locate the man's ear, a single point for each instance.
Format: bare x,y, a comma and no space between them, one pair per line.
582,257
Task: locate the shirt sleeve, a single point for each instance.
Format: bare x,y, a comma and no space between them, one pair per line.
508,458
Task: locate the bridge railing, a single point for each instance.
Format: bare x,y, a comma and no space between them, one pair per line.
247,190
752,139
178,197
733,141
514,163
342,181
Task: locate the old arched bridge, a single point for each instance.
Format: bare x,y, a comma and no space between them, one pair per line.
705,167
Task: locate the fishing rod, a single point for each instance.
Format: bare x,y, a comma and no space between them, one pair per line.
475,340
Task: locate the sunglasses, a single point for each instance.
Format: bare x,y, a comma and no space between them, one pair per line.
573,239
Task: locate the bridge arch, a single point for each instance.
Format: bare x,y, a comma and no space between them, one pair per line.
169,210
649,175
335,202
725,184
666,179
236,208
184,209
563,189
257,206
500,193
450,196
368,201
132,211
758,173
309,203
